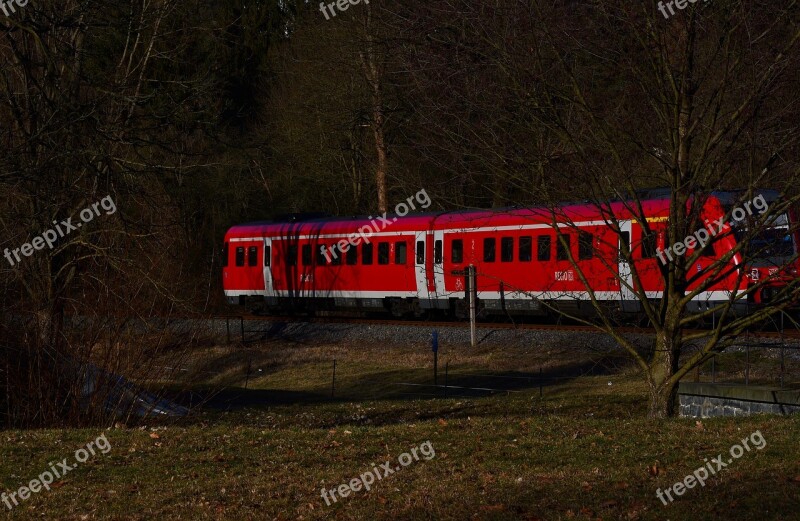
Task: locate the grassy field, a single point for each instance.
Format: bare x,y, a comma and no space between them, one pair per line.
580,450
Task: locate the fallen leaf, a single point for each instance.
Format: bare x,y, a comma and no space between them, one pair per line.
155,435
442,422
636,510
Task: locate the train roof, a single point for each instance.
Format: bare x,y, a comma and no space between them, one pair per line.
424,221
332,225
657,205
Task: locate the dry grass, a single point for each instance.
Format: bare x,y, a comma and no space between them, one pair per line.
581,451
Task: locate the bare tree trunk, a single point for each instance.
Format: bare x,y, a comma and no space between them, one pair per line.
662,399
373,71
381,154
663,387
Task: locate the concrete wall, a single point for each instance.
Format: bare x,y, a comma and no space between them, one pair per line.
703,400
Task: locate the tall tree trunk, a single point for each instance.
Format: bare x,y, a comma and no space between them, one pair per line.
381,166
663,389
373,71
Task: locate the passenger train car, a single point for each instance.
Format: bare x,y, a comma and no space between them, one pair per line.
409,265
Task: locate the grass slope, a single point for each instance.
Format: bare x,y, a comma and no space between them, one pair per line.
582,450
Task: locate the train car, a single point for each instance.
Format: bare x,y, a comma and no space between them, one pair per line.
523,256
362,264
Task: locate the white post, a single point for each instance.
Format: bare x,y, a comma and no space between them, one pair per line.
473,297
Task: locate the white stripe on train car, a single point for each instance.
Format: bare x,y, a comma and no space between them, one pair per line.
486,295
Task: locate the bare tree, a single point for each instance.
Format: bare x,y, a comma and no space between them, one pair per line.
700,132
608,102
92,114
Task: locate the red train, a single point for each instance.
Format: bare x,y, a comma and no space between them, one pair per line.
409,265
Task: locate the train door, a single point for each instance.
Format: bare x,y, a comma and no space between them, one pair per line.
438,263
423,275
627,296
268,287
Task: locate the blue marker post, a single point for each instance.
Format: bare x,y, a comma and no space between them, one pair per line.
435,349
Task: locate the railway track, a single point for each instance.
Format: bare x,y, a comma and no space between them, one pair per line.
786,334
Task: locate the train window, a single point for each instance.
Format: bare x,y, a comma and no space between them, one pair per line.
291,255
708,250
267,256
383,253
240,256
648,245
252,256
225,255
489,247
437,252
307,257
336,255
400,252
352,255
526,248
322,250
507,249
624,238
366,254
420,252
457,251
585,247
543,247
562,252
